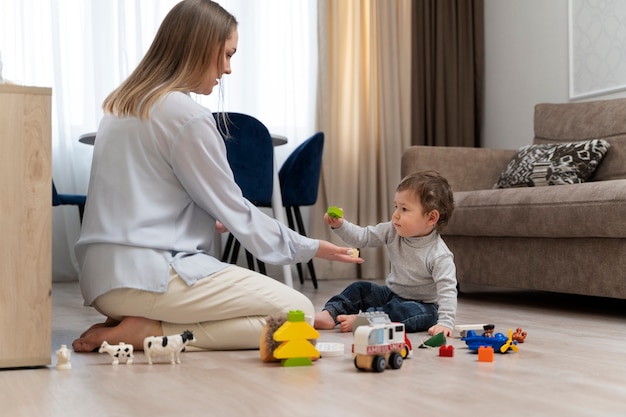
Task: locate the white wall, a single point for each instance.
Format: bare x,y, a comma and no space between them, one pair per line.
526,62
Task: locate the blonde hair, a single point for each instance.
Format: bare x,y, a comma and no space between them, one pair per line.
192,34
433,191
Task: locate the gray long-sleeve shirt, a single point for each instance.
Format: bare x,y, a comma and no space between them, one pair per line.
156,188
422,268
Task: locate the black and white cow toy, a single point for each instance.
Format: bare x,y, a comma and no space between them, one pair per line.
164,345
117,352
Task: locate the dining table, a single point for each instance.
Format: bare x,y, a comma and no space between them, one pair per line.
277,200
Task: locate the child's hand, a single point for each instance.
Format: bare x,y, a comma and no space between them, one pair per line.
437,328
334,217
334,222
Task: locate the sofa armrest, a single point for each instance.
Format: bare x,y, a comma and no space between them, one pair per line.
466,169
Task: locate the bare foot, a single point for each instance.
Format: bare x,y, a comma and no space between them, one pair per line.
109,322
324,321
346,322
131,330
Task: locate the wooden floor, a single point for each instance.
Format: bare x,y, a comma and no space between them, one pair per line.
573,363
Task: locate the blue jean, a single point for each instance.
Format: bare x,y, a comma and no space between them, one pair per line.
368,296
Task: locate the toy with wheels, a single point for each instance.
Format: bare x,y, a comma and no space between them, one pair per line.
379,345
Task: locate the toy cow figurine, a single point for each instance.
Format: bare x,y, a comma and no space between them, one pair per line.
117,352
163,345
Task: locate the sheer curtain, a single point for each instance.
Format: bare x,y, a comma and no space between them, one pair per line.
83,49
364,109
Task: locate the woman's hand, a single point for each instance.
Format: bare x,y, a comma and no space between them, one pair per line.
333,252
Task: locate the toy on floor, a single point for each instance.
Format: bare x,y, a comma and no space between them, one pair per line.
327,349
294,334
334,211
489,330
267,344
117,352
510,344
485,354
497,341
519,336
167,345
435,341
63,358
446,351
463,328
380,344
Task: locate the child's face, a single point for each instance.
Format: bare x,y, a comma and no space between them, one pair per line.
409,218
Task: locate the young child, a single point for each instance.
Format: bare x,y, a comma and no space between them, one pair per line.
420,289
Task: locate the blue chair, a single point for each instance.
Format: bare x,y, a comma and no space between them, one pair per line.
299,184
78,200
251,157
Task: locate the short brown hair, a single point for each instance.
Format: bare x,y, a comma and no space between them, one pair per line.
433,191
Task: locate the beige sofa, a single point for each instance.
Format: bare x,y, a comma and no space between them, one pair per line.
560,238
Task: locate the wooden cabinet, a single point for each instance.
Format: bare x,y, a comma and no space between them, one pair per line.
25,226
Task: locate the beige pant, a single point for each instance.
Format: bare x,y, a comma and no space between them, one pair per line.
226,310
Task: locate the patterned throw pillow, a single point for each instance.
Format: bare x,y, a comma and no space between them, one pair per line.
553,164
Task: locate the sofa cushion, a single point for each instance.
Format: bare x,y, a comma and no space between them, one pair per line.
591,209
553,164
569,122
465,168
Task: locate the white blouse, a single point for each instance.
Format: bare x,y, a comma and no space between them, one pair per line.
156,188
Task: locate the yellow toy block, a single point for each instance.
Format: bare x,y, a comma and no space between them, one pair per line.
295,333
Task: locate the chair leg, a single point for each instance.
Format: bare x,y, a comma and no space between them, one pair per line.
302,231
300,273
261,267
250,260
290,222
235,254
312,272
229,246
232,249
291,225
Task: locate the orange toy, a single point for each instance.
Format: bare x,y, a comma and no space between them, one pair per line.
519,336
485,354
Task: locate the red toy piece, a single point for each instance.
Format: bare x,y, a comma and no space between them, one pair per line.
446,351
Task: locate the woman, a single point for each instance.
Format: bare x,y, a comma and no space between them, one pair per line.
160,181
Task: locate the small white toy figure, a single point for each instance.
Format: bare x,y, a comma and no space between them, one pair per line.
63,358
117,352
164,345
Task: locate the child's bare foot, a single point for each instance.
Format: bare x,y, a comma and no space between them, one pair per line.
109,322
324,321
131,330
346,322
